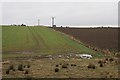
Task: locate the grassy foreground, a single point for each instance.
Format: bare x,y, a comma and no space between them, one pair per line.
37,40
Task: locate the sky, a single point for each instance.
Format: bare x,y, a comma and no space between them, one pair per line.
65,13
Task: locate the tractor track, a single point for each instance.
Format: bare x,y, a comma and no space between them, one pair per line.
35,36
38,36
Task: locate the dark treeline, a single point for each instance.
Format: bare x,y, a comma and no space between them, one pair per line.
18,25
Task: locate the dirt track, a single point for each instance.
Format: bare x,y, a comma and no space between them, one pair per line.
104,38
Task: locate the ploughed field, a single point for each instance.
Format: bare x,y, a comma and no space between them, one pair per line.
103,38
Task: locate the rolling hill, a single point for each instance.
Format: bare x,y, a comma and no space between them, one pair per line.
38,40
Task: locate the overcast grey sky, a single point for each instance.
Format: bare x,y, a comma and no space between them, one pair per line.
65,13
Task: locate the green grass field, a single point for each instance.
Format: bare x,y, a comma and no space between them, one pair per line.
27,45
38,40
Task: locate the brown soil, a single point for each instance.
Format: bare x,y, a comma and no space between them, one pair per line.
103,38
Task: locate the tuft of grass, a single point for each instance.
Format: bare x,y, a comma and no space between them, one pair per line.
11,67
7,71
56,70
64,66
74,64
67,64
26,72
111,59
99,61
107,59
101,64
57,65
20,67
92,66
60,63
28,66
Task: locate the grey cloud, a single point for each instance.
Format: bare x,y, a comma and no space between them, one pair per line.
66,13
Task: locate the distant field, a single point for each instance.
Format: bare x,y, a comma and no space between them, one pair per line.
104,38
38,40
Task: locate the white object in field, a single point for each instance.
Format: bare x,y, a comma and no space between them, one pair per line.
85,56
51,58
68,57
59,56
